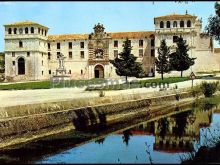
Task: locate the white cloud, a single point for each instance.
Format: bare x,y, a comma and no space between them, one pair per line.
5,3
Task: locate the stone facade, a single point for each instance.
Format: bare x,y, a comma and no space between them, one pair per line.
31,54
170,27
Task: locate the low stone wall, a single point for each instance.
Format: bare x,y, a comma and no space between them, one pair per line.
78,118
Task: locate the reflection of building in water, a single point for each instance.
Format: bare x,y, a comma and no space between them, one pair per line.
177,133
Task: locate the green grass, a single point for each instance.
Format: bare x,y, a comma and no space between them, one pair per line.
49,84
142,83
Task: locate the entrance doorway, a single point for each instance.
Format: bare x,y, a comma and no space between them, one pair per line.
21,66
99,71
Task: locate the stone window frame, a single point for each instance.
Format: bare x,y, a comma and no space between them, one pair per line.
82,54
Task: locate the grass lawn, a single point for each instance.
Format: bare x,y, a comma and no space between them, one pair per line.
141,83
49,84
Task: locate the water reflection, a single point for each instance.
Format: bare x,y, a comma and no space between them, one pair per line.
161,140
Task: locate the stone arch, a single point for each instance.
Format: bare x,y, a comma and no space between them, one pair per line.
161,24
21,66
188,23
99,71
168,24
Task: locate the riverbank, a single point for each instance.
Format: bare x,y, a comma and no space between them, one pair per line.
37,121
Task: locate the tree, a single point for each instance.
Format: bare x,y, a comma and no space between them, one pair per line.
126,64
217,9
180,59
162,61
213,27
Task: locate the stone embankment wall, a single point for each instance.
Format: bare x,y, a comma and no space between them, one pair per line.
12,127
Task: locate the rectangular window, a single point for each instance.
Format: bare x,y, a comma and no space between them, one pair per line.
69,71
49,55
42,63
141,43
152,42
58,53
13,63
48,45
70,45
115,44
81,72
82,54
49,71
152,52
115,53
13,54
70,55
141,52
20,44
28,54
58,45
42,72
81,44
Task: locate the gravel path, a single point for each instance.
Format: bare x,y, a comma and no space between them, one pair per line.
21,97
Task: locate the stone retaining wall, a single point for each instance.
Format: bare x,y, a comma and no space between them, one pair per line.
80,118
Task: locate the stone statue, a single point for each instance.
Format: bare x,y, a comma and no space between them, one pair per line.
61,61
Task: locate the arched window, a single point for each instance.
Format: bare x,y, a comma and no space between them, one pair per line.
32,30
181,23
42,32
9,31
21,66
15,30
45,33
174,24
26,30
188,23
38,30
168,24
161,24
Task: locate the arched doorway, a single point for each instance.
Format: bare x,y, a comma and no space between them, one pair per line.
99,71
21,66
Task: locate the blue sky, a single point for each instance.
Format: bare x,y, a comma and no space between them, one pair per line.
80,17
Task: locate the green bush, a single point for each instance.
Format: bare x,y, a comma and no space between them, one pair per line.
209,89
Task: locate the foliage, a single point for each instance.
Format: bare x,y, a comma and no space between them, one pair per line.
180,59
209,89
196,91
2,63
162,61
126,64
213,27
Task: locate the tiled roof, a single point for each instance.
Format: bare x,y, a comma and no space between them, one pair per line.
176,16
68,36
141,34
217,50
25,23
115,35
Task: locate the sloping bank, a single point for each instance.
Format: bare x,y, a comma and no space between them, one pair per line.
36,121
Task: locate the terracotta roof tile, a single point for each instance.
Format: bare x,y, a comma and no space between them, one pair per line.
141,34
176,16
68,36
115,35
23,23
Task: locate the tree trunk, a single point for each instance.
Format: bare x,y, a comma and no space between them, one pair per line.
162,76
181,73
126,78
